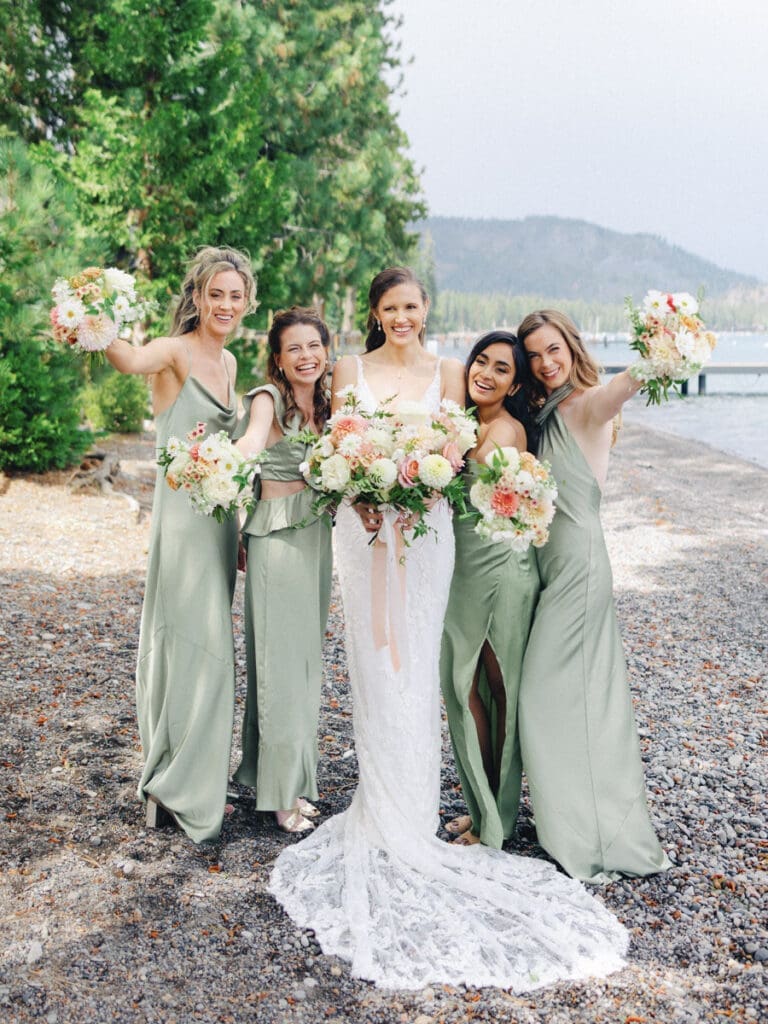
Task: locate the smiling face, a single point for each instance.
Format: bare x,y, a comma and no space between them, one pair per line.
491,376
302,356
549,357
223,304
401,311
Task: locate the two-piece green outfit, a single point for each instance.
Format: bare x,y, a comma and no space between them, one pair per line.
287,596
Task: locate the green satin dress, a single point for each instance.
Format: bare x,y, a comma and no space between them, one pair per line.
493,597
185,677
287,597
577,729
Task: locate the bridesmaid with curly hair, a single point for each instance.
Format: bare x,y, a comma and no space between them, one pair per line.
288,576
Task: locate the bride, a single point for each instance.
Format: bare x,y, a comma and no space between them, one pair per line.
375,883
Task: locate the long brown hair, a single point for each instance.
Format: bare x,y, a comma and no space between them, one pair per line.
384,280
321,400
585,372
206,263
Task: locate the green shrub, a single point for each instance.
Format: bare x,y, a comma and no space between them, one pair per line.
39,381
117,403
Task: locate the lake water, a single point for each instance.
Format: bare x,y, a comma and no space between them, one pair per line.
732,416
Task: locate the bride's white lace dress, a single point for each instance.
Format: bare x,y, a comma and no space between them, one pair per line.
374,883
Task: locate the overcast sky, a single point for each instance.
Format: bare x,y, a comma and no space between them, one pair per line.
638,115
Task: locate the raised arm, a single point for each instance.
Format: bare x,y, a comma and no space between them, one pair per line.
261,415
344,374
605,402
160,354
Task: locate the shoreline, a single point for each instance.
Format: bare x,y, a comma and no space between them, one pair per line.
103,919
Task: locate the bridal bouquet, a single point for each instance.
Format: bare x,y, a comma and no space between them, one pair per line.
215,475
671,340
515,496
403,458
92,307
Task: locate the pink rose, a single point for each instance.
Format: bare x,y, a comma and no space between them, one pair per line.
408,472
452,453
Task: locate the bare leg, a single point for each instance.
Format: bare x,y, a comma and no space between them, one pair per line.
495,681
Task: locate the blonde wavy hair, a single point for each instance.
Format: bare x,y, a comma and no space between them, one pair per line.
206,263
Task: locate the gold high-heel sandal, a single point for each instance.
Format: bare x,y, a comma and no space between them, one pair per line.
459,825
306,808
295,822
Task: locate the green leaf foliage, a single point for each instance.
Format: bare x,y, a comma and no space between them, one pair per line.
39,418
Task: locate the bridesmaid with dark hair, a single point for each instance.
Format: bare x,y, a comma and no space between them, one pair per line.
185,676
490,609
577,729
288,576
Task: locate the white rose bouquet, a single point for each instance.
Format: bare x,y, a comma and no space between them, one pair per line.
515,497
92,307
402,459
671,341
215,475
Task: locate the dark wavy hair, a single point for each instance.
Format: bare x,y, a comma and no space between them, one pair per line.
517,405
321,400
386,279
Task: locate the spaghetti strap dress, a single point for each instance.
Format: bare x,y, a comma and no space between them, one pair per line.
287,597
579,741
493,597
185,677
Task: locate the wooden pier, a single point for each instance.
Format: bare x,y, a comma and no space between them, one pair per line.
743,369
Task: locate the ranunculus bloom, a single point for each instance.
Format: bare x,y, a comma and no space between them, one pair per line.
408,472
505,503
346,425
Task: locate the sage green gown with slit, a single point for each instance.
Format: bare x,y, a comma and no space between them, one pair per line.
579,741
185,677
493,596
287,596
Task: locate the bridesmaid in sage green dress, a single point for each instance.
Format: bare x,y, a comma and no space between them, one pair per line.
578,737
288,576
185,676
490,608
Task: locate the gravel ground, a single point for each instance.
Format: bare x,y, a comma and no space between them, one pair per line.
103,920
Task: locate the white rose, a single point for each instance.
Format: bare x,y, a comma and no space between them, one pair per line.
324,447
334,473
219,489
524,482
118,281
380,439
412,413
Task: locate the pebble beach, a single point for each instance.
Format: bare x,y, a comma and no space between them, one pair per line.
103,920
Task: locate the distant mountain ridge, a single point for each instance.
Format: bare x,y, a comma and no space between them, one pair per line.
563,258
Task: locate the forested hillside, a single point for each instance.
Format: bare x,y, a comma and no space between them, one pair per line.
566,259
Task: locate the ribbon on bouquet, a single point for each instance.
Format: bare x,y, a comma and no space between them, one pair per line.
388,588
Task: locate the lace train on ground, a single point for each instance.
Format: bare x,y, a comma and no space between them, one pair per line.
374,883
